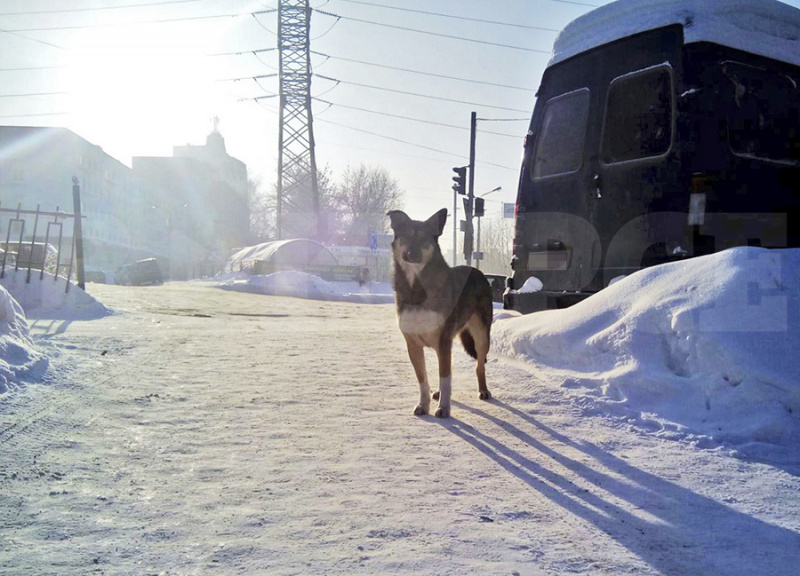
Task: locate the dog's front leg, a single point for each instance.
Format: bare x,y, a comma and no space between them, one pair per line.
444,353
417,355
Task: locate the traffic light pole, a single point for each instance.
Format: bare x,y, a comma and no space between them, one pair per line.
459,187
468,237
454,220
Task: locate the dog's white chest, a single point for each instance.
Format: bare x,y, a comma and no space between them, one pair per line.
418,322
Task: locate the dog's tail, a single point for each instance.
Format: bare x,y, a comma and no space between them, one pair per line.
469,343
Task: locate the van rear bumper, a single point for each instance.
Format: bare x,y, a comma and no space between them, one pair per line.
527,302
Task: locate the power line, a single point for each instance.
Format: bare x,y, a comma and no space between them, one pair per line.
390,115
393,153
256,78
137,23
255,17
28,68
503,119
258,98
63,10
439,34
454,16
15,33
422,146
32,94
241,52
392,138
410,119
576,3
420,95
421,72
335,22
35,114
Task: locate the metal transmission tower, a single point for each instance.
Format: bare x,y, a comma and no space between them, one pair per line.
298,193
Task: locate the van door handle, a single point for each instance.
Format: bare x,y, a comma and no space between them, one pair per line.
597,185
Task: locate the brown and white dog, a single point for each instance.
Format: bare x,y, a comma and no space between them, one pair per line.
435,303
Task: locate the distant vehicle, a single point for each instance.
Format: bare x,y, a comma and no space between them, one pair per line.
498,283
96,276
9,258
140,273
33,255
662,130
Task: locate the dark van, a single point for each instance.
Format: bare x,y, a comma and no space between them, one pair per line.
663,129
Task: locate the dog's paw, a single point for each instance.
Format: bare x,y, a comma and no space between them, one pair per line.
442,412
485,395
436,395
420,411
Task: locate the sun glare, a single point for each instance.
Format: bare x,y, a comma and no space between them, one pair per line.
146,85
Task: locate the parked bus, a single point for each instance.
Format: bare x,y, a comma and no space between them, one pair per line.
662,130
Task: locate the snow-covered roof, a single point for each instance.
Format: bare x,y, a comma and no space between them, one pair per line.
296,251
765,27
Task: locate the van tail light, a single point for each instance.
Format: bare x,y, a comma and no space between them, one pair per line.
701,182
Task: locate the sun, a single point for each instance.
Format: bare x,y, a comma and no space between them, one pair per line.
139,84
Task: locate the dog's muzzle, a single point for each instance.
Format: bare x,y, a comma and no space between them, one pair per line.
412,256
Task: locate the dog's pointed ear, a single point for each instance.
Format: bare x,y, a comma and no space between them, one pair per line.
398,219
436,222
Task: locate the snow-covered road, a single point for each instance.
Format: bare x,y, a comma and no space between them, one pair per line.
203,431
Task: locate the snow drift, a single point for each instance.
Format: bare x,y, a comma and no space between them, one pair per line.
46,297
19,359
702,348
42,297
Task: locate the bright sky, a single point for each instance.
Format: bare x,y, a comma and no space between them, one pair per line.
137,77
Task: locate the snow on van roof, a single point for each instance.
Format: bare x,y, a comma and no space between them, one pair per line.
765,27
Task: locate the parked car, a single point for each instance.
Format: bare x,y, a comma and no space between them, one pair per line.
498,283
36,255
140,273
656,139
95,275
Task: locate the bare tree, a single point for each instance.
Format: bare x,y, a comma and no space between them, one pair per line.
264,206
362,199
262,212
496,238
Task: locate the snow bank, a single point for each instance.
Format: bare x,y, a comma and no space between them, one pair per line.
766,27
19,359
705,348
47,297
303,285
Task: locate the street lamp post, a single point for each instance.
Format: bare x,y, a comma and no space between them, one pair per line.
478,260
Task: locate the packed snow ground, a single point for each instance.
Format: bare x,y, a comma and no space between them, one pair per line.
200,430
702,350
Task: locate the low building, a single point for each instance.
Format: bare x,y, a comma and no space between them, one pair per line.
188,210
37,165
208,197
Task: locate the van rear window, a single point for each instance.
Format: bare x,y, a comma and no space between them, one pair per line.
638,120
764,121
559,146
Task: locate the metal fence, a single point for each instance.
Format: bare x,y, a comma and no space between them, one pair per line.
34,242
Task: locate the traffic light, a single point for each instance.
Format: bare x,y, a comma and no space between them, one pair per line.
460,179
478,207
